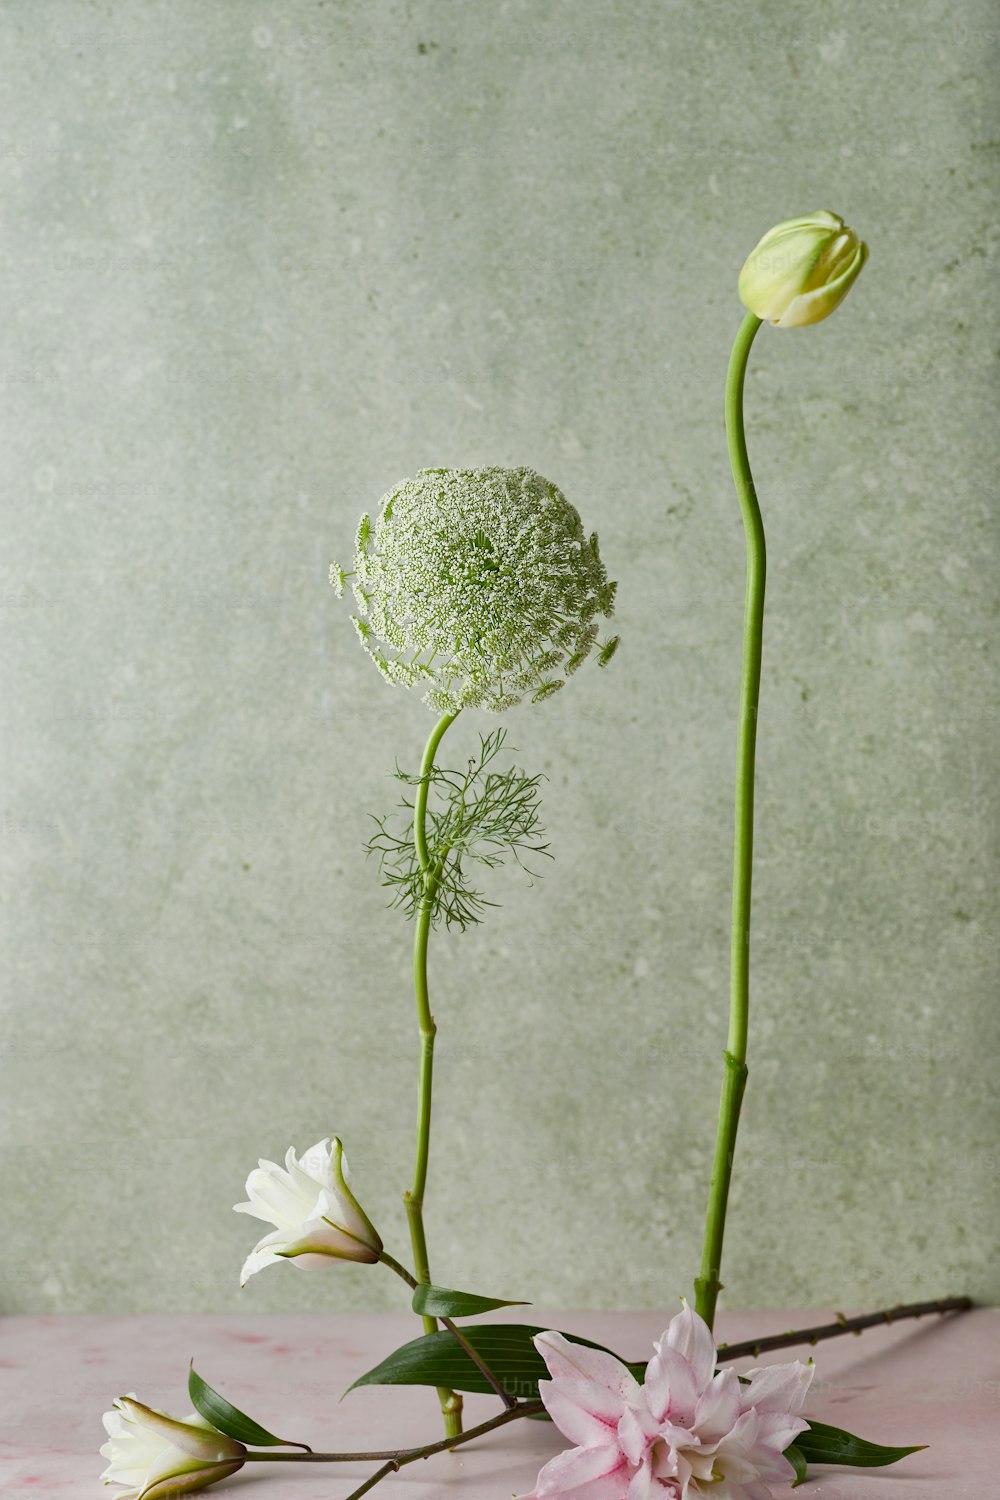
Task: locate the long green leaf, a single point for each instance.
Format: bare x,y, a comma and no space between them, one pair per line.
821,1444
441,1302
438,1359
228,1419
797,1460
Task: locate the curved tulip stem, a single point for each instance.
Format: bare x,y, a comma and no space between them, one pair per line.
451,1401
708,1285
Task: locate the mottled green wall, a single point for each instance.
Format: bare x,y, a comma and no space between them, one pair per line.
260,262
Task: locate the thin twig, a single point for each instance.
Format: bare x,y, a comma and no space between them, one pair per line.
477,1359
397,1457
842,1325
390,1468
521,1409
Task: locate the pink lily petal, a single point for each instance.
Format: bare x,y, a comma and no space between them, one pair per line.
641,1483
637,1431
734,1454
690,1336
668,1464
577,1361
778,1387
657,1476
583,1474
586,1414
718,1407
776,1430
671,1387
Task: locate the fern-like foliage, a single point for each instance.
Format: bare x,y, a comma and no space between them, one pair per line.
477,817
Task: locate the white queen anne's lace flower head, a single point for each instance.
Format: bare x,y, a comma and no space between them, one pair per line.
478,585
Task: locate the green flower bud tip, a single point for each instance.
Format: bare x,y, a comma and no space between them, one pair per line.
481,583
802,270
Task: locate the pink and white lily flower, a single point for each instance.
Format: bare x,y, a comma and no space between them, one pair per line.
687,1431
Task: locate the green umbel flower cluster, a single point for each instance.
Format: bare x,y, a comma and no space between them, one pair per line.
478,585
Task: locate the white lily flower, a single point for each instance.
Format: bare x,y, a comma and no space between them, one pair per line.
315,1214
802,270
158,1456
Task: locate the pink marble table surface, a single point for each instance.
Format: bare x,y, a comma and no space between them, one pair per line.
935,1381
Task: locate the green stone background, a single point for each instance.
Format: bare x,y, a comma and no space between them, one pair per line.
260,262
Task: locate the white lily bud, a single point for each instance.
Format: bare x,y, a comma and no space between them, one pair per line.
158,1456
316,1216
802,270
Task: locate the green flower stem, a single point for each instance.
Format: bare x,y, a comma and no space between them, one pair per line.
708,1285
400,1270
420,807
451,1401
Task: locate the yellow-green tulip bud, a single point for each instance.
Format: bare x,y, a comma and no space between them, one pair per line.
802,270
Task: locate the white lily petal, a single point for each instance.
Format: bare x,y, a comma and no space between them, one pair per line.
314,1212
157,1455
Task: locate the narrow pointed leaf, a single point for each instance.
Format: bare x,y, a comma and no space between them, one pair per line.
441,1302
821,1444
797,1460
438,1359
229,1420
